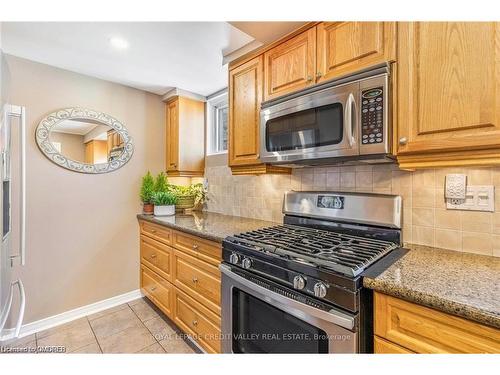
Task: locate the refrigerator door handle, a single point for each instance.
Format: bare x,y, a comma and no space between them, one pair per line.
20,112
22,307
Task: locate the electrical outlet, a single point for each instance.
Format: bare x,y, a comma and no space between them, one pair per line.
477,198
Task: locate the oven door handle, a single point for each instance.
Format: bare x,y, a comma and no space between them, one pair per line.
333,316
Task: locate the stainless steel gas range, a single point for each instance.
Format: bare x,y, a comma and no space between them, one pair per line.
297,287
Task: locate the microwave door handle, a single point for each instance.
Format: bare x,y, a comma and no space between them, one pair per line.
350,123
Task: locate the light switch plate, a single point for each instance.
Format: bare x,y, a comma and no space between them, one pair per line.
477,198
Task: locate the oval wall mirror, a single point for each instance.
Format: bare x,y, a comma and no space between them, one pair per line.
84,140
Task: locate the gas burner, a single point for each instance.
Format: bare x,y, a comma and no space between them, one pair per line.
343,253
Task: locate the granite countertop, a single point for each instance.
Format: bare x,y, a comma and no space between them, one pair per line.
462,284
209,225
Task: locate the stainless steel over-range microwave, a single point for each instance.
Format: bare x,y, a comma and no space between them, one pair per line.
344,120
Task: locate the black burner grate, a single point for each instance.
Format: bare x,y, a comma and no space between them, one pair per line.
340,252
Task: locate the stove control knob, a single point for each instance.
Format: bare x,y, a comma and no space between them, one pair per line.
320,290
299,282
247,263
234,258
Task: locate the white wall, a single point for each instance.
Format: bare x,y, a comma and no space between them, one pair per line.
82,232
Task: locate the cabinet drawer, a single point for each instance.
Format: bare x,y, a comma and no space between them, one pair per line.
386,347
198,279
158,290
425,330
198,321
208,251
157,232
157,256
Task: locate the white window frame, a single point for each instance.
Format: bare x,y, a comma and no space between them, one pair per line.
215,102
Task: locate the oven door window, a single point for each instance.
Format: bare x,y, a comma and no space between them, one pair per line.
315,127
259,327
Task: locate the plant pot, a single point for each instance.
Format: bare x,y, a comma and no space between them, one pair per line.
148,208
184,202
164,210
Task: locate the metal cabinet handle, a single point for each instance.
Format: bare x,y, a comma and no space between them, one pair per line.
319,75
403,141
153,289
309,78
195,279
195,322
195,246
153,230
153,256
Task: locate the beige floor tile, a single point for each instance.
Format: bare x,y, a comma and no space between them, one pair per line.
75,324
72,338
144,311
135,301
100,314
114,323
176,347
130,340
160,329
89,349
152,349
20,341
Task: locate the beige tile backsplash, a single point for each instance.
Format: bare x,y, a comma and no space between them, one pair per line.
426,220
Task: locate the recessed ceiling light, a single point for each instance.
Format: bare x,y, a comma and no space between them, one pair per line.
118,43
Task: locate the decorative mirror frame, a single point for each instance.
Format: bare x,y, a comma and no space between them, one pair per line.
48,122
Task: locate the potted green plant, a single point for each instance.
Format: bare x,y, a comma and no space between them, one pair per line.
164,202
200,195
147,192
188,196
161,183
185,199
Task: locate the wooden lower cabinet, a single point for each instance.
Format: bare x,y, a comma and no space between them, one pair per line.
157,290
198,279
195,319
183,281
421,329
156,232
386,347
157,256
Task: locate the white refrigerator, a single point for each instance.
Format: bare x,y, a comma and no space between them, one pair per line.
12,252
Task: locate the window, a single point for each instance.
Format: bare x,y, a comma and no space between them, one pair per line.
218,111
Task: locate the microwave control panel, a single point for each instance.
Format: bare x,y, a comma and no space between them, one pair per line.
372,112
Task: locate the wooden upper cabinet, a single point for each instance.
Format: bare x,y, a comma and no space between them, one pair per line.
185,137
172,145
290,66
448,93
345,47
245,96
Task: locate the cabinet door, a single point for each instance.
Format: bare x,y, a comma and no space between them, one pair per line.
448,90
245,96
158,290
382,346
345,47
291,65
172,133
424,330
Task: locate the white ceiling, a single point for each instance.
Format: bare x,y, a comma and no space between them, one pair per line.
74,127
161,55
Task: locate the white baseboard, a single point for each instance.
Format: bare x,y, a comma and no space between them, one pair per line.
68,316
